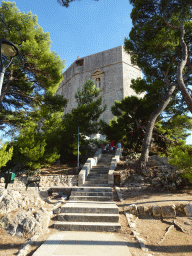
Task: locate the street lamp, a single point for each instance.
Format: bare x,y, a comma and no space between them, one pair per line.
9,50
78,119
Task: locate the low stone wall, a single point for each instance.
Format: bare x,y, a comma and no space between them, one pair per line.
166,211
45,181
114,163
87,167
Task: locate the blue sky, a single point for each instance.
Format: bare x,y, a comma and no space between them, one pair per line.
85,28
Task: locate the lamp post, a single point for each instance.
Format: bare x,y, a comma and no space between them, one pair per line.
78,119
9,50
78,148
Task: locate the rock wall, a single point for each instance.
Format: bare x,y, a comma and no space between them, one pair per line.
159,175
45,181
166,211
17,220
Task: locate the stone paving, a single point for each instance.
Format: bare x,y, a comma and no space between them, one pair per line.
86,211
91,207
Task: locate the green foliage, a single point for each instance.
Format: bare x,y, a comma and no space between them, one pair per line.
88,93
85,116
38,143
35,72
5,155
131,114
156,47
180,157
96,142
66,3
176,127
131,119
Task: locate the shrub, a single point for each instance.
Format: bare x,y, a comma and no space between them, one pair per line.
179,156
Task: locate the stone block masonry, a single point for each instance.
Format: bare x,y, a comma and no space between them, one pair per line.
45,181
111,71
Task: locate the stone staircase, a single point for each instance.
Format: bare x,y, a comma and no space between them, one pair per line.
91,207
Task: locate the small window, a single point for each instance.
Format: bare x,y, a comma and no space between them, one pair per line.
79,62
98,83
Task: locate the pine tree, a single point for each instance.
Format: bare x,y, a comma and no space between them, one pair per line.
160,44
5,155
35,73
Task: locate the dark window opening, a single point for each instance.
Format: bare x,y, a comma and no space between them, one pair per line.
79,62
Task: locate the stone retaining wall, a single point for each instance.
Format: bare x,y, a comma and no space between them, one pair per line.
45,181
87,167
114,163
166,211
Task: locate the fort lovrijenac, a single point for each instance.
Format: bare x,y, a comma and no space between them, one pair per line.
110,70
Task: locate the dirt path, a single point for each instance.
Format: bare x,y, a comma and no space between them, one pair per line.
153,230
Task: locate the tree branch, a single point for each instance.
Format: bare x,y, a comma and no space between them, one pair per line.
23,94
170,25
7,86
189,65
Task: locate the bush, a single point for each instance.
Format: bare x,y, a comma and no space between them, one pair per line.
5,155
179,156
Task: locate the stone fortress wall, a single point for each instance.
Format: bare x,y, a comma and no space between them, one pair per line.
111,71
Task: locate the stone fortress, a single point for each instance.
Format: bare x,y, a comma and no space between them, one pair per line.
110,70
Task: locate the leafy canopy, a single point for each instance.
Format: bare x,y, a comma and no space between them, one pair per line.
35,73
5,155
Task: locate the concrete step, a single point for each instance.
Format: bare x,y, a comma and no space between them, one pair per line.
92,189
99,171
99,168
90,207
94,178
76,193
88,217
98,175
87,226
104,167
90,198
101,175
96,181
96,185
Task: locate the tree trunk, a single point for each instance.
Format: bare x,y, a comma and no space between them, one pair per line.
149,130
180,67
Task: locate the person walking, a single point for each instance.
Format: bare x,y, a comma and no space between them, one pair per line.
111,145
119,144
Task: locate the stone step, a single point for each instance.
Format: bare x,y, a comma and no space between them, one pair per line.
100,169
90,198
87,226
98,175
88,217
104,167
76,193
94,178
96,181
96,185
92,189
90,207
